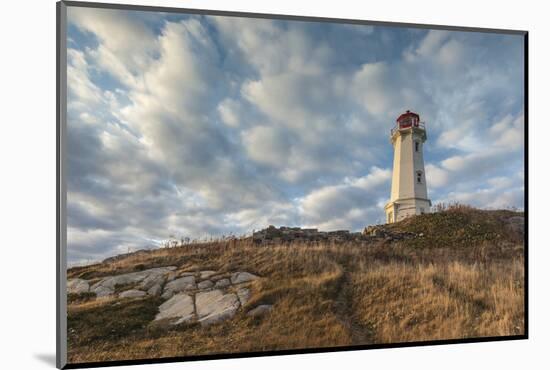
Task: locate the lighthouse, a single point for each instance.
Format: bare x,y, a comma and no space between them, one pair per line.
409,192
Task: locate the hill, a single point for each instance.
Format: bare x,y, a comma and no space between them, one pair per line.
458,274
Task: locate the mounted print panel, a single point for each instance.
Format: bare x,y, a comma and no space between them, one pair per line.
236,184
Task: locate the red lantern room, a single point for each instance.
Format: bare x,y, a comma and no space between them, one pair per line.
408,119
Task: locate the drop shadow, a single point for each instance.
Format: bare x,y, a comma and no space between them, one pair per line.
46,358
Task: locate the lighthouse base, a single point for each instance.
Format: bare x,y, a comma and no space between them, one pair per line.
402,208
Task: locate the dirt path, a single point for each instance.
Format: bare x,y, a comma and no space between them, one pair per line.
360,333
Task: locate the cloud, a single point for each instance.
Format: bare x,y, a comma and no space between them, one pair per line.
229,111
267,145
508,132
492,198
204,126
431,43
270,213
81,89
501,153
125,43
346,204
461,170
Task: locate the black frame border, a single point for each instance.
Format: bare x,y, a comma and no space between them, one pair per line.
61,263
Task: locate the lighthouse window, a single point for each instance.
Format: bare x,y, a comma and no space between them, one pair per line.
419,177
416,146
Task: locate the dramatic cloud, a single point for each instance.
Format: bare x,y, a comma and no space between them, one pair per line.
201,126
348,204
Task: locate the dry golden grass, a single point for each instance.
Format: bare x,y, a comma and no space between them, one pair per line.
437,301
323,296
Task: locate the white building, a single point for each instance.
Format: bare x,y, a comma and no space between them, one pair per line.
409,193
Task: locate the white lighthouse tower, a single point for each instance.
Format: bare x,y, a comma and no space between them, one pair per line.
409,193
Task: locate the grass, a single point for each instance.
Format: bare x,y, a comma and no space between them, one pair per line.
433,287
437,301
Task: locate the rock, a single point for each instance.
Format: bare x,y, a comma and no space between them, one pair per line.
187,273
167,294
207,274
111,282
205,284
171,276
223,283
178,309
181,284
155,290
242,277
77,286
261,310
215,306
151,281
244,295
132,293
102,291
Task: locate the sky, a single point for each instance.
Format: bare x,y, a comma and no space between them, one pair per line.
204,126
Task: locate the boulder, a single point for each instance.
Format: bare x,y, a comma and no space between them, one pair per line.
152,280
77,286
171,276
101,291
205,284
207,274
166,268
167,294
181,284
242,277
155,290
186,273
178,309
132,293
215,306
131,278
244,295
223,283
261,310
111,282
